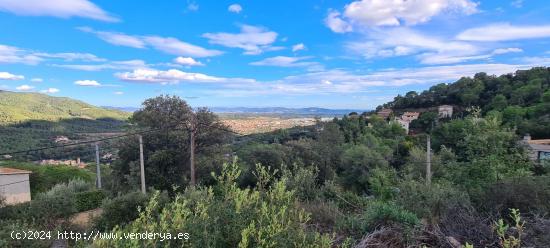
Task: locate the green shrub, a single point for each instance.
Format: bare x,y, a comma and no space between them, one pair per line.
48,207
120,210
88,200
226,216
380,213
528,194
431,201
44,177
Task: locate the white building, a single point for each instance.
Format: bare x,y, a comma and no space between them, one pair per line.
538,149
445,111
14,185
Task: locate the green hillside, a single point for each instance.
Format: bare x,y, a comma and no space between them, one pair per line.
19,107
520,99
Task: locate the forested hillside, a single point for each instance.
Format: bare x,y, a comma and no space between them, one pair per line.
521,99
32,120
19,107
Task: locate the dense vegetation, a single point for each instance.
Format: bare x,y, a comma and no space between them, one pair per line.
43,178
521,99
356,181
35,120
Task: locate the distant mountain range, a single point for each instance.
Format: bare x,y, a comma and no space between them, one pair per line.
267,111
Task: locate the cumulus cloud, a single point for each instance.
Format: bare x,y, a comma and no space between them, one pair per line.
24,87
50,90
118,93
169,76
9,76
504,32
57,8
298,47
235,8
336,23
373,13
252,39
37,80
88,83
187,61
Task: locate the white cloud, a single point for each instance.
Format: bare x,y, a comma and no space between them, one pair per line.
192,6
114,65
284,61
167,45
235,8
57,8
37,80
380,13
504,32
9,76
114,38
187,61
298,47
14,55
372,13
176,47
404,41
91,83
118,93
24,87
336,23
507,50
50,90
252,39
517,3
71,56
169,76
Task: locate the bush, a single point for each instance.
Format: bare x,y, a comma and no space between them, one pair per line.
528,194
380,214
121,210
48,207
431,201
44,177
88,200
226,216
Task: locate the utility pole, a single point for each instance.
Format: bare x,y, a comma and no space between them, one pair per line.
142,164
428,161
98,170
192,148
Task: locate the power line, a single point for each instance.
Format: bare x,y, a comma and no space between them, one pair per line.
81,143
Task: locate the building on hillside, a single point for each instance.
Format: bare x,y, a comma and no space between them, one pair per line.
61,139
385,113
538,149
14,185
410,116
75,163
404,124
445,111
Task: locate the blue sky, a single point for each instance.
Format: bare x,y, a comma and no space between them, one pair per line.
333,54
